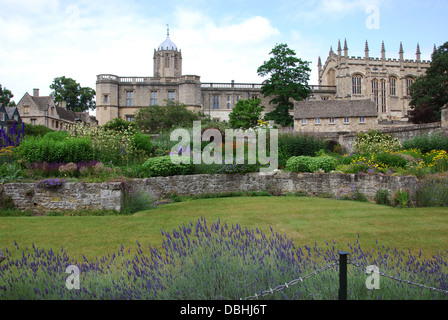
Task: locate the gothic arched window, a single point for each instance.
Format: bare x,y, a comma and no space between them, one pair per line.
393,86
375,93
357,84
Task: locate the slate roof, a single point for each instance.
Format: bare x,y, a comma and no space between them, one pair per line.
334,109
10,111
65,114
42,102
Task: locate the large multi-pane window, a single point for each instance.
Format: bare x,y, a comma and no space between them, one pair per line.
153,101
129,98
357,84
393,86
215,102
383,96
375,93
229,102
379,94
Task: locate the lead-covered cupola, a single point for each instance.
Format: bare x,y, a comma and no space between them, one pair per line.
167,59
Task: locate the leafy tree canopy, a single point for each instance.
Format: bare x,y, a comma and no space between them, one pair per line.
245,114
158,119
288,81
430,92
5,97
120,125
78,98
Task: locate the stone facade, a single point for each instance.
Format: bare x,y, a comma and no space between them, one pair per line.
335,116
384,81
70,196
42,110
73,196
123,96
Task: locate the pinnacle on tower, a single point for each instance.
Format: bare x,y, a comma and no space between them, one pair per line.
367,47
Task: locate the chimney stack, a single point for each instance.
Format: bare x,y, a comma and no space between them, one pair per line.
36,92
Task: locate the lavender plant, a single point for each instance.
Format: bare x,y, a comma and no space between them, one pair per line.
218,261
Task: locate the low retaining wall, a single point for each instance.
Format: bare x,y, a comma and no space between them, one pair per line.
109,195
70,196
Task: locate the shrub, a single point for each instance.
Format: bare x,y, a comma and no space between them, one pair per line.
401,198
142,142
311,164
375,142
295,144
12,172
326,163
426,143
432,191
57,135
135,200
156,119
299,164
163,166
48,150
36,130
390,160
382,197
120,125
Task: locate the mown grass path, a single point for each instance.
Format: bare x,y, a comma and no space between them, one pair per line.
306,220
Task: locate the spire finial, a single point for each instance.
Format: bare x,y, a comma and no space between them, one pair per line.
167,29
367,46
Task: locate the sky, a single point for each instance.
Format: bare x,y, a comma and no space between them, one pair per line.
220,41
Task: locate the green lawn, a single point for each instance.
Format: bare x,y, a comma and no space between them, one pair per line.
305,220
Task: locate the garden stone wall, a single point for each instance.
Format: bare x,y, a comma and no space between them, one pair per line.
70,196
73,196
313,184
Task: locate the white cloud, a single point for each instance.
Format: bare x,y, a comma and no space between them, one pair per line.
324,11
221,51
88,38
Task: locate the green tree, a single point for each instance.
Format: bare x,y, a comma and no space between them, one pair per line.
157,119
245,114
5,97
78,98
288,81
120,125
430,91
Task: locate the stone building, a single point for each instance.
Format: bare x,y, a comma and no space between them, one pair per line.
42,110
335,116
385,81
122,97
